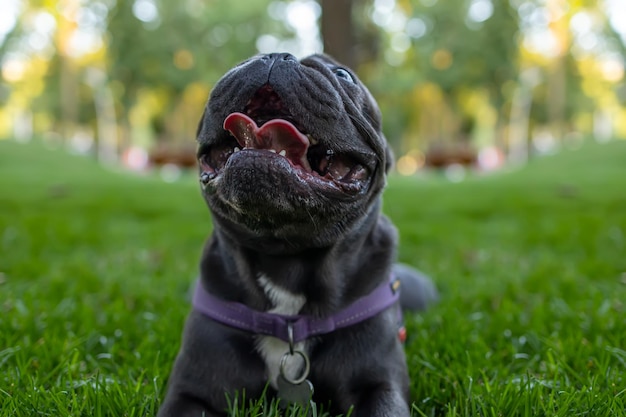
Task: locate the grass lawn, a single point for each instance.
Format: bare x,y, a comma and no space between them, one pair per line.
95,267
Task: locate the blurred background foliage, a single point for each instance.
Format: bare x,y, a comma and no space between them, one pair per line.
469,81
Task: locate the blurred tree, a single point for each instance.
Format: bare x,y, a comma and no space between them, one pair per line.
338,30
170,47
451,72
446,55
348,33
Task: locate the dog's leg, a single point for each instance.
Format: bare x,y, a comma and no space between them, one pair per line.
181,406
383,403
417,291
214,362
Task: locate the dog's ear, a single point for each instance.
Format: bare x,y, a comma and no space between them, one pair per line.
389,157
201,123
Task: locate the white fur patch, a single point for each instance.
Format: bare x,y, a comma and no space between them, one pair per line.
272,349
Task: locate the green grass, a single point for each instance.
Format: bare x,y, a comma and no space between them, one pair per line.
95,267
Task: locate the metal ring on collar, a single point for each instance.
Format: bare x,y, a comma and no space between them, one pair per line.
305,372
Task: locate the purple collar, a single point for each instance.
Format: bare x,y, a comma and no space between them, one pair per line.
244,318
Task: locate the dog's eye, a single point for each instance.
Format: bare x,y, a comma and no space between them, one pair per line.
342,73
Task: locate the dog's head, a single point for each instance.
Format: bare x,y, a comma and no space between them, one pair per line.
291,152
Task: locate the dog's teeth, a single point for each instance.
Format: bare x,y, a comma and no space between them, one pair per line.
283,153
273,150
312,140
236,149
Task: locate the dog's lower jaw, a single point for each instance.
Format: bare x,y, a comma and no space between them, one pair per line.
294,235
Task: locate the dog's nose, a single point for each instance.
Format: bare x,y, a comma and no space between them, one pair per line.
282,56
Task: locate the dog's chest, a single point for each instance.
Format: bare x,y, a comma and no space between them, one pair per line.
272,349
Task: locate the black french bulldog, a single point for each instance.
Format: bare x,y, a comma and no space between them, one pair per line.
292,164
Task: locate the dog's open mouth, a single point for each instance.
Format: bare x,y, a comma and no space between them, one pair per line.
266,127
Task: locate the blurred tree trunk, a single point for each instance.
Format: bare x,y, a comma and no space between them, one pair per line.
557,90
338,30
68,77
557,74
519,144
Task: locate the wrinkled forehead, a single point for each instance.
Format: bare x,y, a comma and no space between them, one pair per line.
325,63
320,61
321,58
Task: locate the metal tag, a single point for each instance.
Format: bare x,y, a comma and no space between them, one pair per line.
300,394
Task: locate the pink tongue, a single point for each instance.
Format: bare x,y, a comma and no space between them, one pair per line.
278,135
